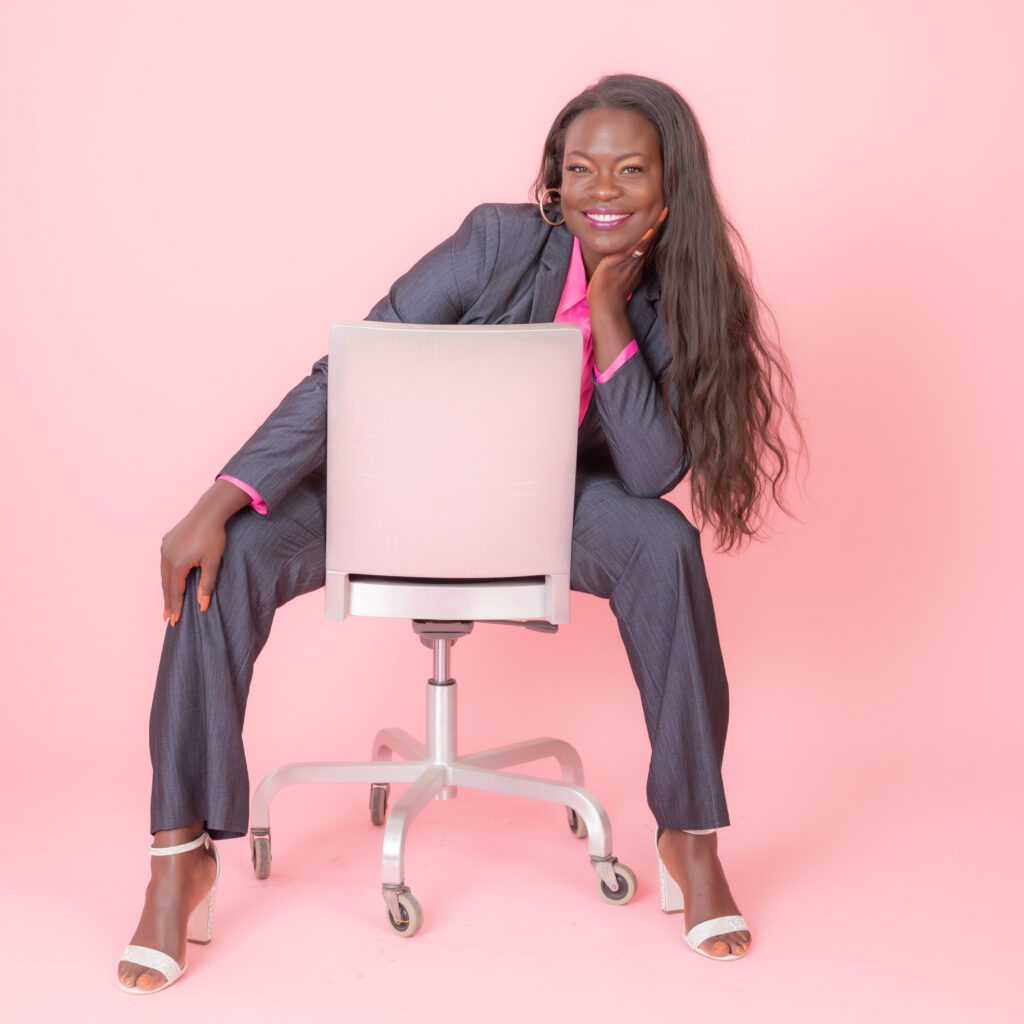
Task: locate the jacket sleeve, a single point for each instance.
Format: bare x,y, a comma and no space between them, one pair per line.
292,441
645,447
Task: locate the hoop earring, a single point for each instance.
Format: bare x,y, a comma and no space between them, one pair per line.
543,199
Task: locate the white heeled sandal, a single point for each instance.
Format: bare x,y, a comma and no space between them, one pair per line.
200,925
672,903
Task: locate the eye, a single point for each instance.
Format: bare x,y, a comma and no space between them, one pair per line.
576,168
632,169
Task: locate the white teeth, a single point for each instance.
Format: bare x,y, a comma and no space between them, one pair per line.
607,218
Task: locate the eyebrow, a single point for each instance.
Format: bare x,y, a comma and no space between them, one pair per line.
625,156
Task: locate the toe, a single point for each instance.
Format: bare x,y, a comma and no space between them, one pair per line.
149,979
732,944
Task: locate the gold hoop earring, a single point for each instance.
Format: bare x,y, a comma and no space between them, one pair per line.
541,202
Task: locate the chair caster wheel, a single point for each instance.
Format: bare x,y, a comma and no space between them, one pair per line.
260,845
626,886
412,916
379,802
577,826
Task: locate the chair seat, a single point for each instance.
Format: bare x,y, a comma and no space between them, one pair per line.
524,597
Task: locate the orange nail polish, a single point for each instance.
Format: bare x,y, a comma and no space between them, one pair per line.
204,603
167,615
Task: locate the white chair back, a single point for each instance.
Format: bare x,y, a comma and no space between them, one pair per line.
451,457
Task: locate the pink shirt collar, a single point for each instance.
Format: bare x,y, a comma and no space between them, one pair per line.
575,290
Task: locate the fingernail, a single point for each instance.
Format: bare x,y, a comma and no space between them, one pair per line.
174,619
204,603
167,615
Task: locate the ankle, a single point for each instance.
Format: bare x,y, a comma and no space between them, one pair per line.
688,844
178,836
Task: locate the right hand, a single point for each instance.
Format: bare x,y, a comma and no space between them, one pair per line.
197,542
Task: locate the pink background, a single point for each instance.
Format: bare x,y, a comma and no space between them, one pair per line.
192,193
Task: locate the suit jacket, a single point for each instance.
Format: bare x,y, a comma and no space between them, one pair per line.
503,265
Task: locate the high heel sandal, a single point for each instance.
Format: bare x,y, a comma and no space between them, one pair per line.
672,903
200,924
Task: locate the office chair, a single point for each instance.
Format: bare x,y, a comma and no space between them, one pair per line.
450,478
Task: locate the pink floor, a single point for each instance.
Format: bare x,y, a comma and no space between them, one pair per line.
878,884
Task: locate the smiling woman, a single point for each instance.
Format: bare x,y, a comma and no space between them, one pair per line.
730,384
677,372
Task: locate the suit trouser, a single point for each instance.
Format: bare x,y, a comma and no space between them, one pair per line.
640,553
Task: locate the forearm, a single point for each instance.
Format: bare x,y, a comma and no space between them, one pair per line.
645,447
289,445
221,501
610,333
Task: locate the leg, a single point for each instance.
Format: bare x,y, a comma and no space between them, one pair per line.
644,556
199,771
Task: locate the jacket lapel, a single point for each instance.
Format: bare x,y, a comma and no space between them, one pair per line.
642,310
554,267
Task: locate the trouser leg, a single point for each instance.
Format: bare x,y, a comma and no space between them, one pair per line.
644,556
199,769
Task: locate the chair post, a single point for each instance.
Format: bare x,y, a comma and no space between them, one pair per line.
441,712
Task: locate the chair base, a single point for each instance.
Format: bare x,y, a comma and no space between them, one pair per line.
434,772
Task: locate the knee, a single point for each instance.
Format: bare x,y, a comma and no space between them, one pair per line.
665,534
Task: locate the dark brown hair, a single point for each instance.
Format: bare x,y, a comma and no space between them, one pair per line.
729,385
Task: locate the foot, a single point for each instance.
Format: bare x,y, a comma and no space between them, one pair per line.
178,884
693,862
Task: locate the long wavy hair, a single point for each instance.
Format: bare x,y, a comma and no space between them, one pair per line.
728,379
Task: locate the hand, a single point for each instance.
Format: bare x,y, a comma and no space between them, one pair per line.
197,542
618,274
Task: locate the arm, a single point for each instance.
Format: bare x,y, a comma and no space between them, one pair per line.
292,441
646,450
645,446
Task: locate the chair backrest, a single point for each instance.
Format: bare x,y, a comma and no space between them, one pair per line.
451,457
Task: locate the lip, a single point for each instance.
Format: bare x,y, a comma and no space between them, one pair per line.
606,220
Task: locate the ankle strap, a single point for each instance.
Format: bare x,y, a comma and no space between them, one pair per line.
169,851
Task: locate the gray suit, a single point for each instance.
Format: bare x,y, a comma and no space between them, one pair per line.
503,265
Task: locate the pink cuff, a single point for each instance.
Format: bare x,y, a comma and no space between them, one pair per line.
257,502
605,375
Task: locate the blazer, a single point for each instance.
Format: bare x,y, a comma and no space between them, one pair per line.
505,264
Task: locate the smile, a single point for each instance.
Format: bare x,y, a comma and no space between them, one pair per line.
604,220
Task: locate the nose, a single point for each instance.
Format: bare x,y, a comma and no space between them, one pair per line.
604,186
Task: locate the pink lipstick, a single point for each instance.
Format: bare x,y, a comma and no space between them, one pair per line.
606,220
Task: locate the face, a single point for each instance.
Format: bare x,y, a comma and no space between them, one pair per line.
611,181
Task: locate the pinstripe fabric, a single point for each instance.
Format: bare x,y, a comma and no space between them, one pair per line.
640,553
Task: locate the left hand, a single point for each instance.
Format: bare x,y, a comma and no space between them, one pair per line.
618,274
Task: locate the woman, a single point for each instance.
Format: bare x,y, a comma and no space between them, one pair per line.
628,241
